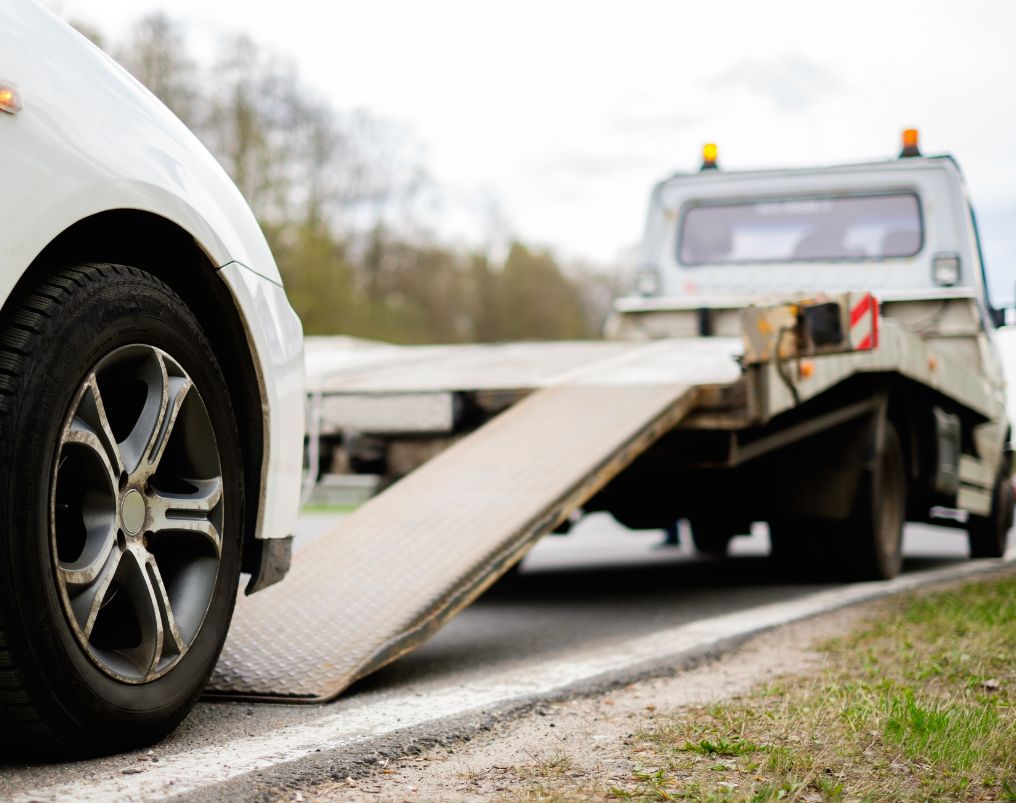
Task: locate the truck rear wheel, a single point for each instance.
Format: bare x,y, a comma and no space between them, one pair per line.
988,534
873,534
867,545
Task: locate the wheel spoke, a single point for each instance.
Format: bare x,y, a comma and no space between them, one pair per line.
144,446
183,512
159,633
133,576
177,389
87,603
80,432
94,509
171,633
93,410
86,569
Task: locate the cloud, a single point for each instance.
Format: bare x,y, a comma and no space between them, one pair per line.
791,82
580,165
648,115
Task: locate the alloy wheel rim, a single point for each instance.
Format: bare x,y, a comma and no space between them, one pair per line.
136,513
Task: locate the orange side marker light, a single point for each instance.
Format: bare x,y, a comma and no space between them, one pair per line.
10,98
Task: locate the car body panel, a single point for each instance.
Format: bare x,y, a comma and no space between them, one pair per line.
277,336
91,139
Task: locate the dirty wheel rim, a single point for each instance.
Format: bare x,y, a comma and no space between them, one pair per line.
136,513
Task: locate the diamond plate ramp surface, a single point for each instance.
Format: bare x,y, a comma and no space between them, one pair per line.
403,564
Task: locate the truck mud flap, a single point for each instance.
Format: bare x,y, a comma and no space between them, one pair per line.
406,562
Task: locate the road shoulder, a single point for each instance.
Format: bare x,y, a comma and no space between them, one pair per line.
586,737
804,711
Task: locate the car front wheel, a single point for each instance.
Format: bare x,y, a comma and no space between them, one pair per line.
121,495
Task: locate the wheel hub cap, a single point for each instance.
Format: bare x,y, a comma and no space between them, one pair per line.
133,511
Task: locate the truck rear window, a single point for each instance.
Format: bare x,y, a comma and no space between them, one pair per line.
814,229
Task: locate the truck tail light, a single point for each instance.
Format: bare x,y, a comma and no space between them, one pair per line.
945,269
647,281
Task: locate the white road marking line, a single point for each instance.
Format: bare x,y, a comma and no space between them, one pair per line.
193,770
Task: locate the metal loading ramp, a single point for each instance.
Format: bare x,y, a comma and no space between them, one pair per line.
393,572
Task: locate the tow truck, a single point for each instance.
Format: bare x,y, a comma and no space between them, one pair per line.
811,348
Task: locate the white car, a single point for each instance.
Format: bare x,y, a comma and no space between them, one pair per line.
151,400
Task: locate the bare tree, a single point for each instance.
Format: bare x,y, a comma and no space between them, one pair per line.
90,32
336,193
156,54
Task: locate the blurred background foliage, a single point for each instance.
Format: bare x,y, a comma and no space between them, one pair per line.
338,195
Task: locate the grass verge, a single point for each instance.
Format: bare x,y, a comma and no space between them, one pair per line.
918,704
317,508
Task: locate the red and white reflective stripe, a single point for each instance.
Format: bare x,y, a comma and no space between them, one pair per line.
863,322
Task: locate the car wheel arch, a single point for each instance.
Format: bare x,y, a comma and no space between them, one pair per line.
153,243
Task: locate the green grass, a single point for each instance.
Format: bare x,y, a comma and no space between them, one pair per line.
722,747
318,508
917,704
553,765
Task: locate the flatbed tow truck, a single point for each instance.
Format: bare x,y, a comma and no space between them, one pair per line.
812,348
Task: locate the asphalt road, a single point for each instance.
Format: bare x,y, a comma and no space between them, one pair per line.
599,585
603,582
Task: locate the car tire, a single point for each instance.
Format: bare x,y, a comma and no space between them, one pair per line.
988,535
121,492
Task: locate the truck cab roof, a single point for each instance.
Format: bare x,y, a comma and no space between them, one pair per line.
887,227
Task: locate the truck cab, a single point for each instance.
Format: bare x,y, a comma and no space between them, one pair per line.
903,229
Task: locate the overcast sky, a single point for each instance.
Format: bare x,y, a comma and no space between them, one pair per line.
564,113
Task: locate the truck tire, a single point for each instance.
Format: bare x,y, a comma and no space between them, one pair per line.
872,536
865,546
989,534
121,497
711,537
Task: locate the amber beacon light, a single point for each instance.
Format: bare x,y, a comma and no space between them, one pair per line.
10,98
910,142
709,155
